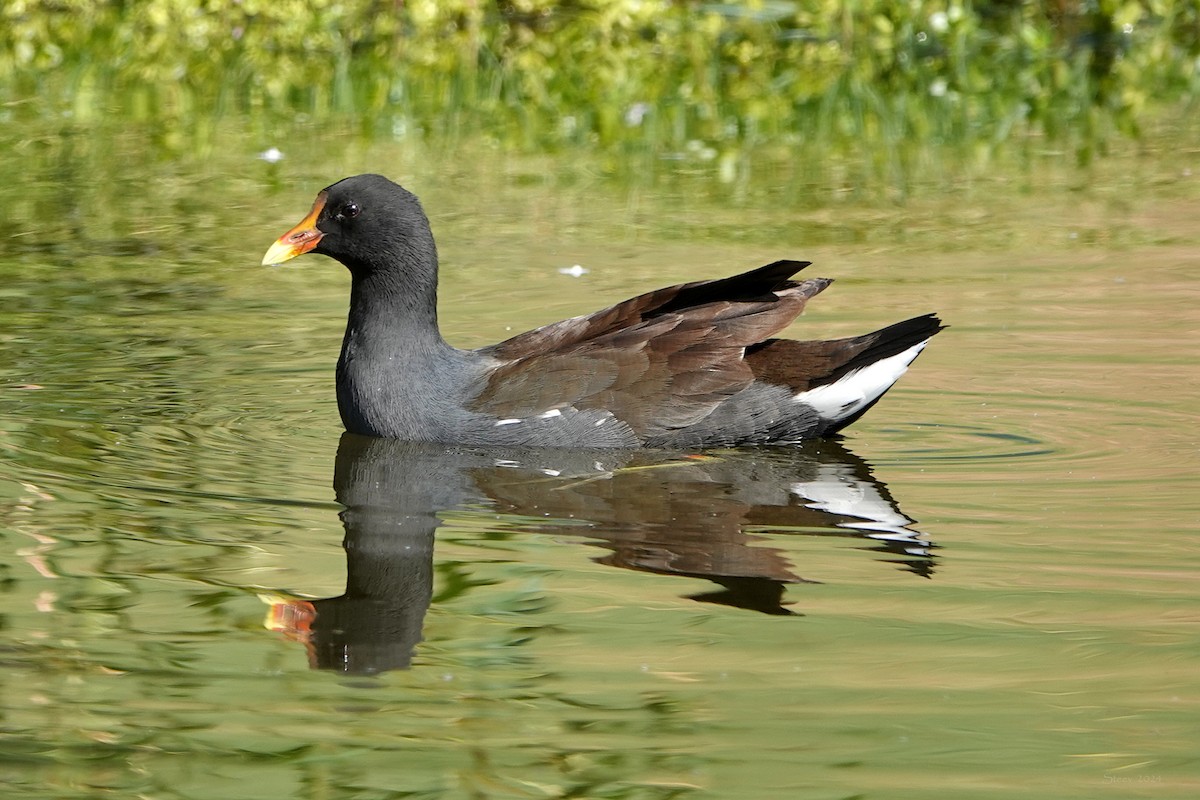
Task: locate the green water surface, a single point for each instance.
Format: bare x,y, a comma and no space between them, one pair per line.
988,590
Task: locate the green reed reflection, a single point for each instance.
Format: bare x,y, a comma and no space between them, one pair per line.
874,81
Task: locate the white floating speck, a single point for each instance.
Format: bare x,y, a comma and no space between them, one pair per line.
574,271
636,113
512,421
271,155
554,412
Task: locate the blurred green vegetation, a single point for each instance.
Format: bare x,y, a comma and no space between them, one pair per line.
876,82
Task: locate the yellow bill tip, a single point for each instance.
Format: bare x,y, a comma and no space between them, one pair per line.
279,253
298,240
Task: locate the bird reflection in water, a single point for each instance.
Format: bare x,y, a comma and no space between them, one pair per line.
670,514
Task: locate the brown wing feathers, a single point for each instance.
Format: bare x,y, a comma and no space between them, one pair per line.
759,285
657,362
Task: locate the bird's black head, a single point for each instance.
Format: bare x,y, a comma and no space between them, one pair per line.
366,222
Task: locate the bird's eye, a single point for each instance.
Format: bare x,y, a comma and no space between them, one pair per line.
349,211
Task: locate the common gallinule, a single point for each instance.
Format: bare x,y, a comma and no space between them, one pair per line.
687,366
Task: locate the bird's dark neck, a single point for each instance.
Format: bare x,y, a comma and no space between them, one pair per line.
393,313
395,367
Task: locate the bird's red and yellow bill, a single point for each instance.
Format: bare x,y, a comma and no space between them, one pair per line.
299,240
